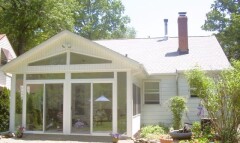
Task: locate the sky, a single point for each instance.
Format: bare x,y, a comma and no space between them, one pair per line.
147,16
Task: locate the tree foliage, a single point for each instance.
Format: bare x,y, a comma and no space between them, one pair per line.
4,109
30,22
221,98
224,18
101,19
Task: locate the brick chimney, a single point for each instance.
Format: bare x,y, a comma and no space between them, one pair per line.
182,34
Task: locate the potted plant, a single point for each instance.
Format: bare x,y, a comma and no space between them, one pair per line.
115,137
19,132
178,106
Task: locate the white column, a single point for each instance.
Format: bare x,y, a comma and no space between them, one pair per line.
114,103
67,104
129,104
12,103
24,108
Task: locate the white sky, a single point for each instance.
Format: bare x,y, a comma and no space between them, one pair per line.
147,16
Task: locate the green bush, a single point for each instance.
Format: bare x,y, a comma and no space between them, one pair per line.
151,130
177,106
4,109
196,129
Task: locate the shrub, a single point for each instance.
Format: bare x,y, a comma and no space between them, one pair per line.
196,129
177,106
4,109
151,130
221,99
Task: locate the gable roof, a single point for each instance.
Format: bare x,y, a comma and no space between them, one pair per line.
63,35
161,57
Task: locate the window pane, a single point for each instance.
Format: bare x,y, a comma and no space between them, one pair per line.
54,107
151,86
45,76
121,99
84,59
18,100
102,107
92,75
54,60
152,91
81,96
34,119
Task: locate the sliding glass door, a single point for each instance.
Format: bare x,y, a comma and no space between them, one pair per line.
91,108
81,105
44,107
53,107
102,107
34,116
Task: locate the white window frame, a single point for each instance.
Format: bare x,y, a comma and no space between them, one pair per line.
159,92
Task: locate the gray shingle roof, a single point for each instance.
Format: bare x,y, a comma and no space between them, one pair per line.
159,57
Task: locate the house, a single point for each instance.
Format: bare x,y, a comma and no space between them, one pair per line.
71,85
7,54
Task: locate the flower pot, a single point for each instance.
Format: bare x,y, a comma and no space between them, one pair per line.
162,140
20,135
115,140
175,134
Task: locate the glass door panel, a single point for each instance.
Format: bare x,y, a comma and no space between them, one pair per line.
102,107
81,105
54,107
34,109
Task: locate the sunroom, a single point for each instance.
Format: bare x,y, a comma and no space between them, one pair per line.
70,85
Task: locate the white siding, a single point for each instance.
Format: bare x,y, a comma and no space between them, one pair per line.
154,114
5,80
192,102
136,124
2,79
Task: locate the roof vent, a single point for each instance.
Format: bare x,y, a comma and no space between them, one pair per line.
165,29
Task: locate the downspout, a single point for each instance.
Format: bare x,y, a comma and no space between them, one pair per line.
177,91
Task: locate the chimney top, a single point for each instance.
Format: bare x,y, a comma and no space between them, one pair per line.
165,20
182,13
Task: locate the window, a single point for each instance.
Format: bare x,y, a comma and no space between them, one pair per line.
54,60
136,100
84,59
193,91
5,56
151,92
45,76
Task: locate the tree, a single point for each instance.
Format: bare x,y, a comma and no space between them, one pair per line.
224,18
4,109
221,98
102,20
29,22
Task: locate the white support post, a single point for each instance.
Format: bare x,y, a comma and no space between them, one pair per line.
12,103
114,103
67,104
129,104
24,109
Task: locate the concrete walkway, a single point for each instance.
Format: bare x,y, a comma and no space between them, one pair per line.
41,138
